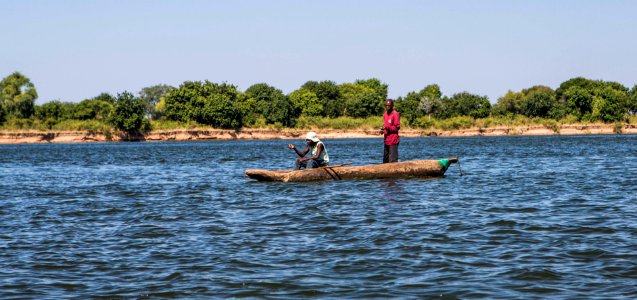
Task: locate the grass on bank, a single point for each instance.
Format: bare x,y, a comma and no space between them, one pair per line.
317,123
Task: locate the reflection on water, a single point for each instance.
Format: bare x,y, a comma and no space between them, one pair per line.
532,217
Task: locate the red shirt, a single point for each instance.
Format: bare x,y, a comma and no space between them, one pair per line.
392,125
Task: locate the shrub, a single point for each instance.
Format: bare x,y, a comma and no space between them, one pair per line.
455,123
305,122
552,124
205,102
569,119
92,126
424,122
172,125
129,113
24,124
618,127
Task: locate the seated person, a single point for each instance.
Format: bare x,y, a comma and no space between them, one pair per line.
319,156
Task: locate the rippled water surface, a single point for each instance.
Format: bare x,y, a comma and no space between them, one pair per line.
532,217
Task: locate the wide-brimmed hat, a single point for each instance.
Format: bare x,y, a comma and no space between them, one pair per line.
311,136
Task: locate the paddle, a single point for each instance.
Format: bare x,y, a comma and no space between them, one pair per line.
332,173
339,165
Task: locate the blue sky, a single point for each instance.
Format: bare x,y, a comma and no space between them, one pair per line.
73,50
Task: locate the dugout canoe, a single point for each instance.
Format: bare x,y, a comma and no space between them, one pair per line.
406,169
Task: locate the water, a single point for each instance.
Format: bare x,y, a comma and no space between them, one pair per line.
533,217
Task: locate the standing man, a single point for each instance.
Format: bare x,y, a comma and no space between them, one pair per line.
391,125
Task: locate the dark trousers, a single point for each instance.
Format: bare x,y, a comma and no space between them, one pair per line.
390,154
309,164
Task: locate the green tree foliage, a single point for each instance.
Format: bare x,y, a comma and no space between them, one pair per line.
306,103
375,105
610,104
408,106
206,103
329,96
537,105
223,106
55,111
151,96
465,104
94,109
581,82
380,88
579,102
416,105
540,101
271,103
536,101
595,100
360,101
633,99
509,104
106,97
18,95
429,99
431,91
128,115
3,113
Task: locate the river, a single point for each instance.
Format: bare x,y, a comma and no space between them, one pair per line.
530,217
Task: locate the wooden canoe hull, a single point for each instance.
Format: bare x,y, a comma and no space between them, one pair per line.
414,168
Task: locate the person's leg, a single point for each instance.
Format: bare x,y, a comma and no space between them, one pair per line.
393,153
311,164
386,154
297,164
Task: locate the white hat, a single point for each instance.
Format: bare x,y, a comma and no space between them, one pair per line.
312,136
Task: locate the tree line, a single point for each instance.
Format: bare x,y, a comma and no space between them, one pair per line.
223,105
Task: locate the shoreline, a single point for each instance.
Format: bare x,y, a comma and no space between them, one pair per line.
64,137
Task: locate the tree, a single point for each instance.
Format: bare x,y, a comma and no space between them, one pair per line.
380,88
54,111
509,104
427,105
466,104
360,101
610,104
206,103
329,96
306,103
94,109
429,99
18,95
3,113
128,115
579,101
106,97
414,105
272,104
408,106
540,101
584,83
595,99
151,96
633,100
537,105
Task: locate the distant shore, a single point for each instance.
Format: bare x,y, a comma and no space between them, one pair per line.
59,137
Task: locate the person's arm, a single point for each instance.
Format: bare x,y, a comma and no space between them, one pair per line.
394,125
318,153
397,121
299,153
384,130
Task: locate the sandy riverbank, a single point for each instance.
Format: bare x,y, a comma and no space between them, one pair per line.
35,137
